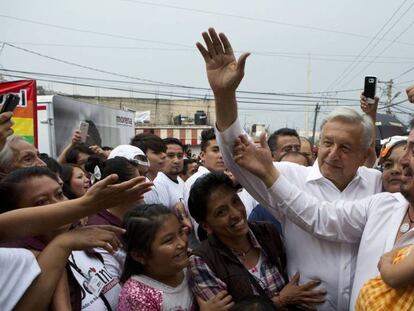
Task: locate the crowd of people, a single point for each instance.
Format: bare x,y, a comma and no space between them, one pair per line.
274,224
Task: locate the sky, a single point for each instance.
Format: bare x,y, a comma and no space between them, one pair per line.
303,52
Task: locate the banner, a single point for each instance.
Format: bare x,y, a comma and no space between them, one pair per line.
25,115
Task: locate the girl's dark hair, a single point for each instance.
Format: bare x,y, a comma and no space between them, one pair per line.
141,224
11,189
66,176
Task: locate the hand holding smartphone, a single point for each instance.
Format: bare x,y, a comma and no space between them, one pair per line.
370,86
10,103
83,128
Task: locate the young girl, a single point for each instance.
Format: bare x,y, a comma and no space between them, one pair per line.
155,276
393,289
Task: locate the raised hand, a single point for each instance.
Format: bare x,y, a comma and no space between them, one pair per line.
224,72
299,295
106,193
410,94
256,159
369,107
76,137
5,127
88,237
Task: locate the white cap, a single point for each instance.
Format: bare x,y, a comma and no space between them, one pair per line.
130,153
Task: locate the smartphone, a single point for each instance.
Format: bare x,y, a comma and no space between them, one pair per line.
10,103
83,128
370,87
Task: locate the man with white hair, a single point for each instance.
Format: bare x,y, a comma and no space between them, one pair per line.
18,153
337,174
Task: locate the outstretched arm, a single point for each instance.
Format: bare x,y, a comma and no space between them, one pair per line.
336,221
52,261
224,74
26,222
371,110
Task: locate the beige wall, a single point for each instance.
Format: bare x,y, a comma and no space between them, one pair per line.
162,110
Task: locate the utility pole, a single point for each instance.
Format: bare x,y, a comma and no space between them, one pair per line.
388,85
317,108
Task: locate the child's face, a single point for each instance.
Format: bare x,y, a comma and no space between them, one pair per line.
168,250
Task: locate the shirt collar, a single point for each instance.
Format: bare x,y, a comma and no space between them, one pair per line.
315,174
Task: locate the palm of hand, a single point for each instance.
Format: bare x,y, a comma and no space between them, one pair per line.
223,72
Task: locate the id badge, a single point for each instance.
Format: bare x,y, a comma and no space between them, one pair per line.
95,285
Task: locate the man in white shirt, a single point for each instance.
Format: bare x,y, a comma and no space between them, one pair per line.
168,182
154,149
345,140
378,223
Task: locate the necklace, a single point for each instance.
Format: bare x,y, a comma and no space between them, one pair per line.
405,227
242,255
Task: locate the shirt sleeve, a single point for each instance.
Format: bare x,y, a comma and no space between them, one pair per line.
336,221
249,181
138,296
18,270
203,282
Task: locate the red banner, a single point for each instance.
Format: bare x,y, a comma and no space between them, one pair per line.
25,115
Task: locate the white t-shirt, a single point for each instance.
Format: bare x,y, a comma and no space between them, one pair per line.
152,196
170,192
87,269
18,270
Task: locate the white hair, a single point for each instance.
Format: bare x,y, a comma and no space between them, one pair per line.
6,155
349,115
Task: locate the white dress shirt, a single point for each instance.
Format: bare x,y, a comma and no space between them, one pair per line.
331,262
373,222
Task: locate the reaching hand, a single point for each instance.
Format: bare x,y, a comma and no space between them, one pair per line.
76,137
410,94
223,71
88,237
221,302
300,295
105,193
5,127
370,108
257,160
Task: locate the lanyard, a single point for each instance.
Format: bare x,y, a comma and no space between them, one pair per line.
77,269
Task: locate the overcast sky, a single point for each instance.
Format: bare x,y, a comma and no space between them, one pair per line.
297,47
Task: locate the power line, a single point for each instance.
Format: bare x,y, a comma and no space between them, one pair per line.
244,100
92,31
191,87
350,67
404,73
264,53
383,50
263,20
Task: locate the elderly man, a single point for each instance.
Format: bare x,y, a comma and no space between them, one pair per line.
337,174
18,153
377,222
